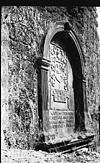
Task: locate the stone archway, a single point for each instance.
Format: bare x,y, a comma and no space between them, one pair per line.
60,34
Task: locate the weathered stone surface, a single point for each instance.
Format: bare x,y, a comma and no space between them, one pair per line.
30,156
61,96
23,32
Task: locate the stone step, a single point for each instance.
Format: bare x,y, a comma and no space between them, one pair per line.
66,146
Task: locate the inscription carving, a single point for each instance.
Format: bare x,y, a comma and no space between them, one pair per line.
61,119
60,78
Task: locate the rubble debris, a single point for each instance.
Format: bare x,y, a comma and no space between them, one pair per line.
32,156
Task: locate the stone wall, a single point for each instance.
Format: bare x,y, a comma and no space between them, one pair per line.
23,31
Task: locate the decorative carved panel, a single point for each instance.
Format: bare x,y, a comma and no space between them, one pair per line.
60,93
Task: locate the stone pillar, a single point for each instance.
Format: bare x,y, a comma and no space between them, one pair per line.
84,95
99,124
4,82
85,102
43,65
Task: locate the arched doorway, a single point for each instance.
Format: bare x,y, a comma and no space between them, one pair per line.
61,86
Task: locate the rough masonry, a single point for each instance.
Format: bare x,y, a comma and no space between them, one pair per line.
23,31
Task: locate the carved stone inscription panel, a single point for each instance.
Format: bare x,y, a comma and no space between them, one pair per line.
61,96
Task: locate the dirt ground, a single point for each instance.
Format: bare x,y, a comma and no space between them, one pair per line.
31,156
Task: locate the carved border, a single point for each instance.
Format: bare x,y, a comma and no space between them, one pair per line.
44,61
63,26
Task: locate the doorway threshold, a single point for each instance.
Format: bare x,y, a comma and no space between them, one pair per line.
65,146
